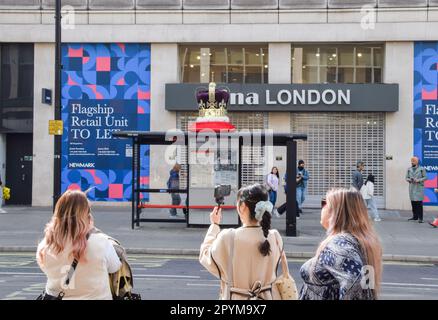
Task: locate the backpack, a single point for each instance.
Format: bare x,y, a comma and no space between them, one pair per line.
121,282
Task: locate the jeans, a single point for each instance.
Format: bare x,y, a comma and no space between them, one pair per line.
176,201
301,196
371,205
273,197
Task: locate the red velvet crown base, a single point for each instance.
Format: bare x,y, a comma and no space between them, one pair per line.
215,126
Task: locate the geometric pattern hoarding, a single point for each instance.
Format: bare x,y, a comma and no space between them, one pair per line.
105,88
426,114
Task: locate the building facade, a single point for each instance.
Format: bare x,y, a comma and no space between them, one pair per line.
113,47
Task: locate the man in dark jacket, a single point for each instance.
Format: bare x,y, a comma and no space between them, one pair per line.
357,179
173,183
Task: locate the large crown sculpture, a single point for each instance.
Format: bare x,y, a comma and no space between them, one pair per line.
212,103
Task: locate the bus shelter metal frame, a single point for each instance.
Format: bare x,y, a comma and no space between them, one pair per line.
139,138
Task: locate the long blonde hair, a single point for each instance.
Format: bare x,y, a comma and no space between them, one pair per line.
70,224
349,215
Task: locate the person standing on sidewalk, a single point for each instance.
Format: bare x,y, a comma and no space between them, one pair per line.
245,259
357,179
1,196
348,263
367,192
173,183
273,181
302,177
415,176
68,240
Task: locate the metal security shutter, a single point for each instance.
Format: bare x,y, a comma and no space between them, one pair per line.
252,157
336,141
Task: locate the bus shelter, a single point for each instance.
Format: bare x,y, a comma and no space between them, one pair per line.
201,177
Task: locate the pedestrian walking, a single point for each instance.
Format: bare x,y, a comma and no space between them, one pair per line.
245,259
415,176
348,263
302,177
357,179
173,183
367,192
282,209
70,249
273,181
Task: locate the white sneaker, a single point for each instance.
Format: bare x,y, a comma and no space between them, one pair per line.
276,213
377,219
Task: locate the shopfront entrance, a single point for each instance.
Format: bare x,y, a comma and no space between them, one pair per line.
19,168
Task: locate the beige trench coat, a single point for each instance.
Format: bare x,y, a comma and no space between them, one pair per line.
249,266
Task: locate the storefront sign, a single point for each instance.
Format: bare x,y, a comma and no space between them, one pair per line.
426,114
105,88
293,97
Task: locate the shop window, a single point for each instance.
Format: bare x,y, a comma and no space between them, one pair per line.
226,64
16,82
342,63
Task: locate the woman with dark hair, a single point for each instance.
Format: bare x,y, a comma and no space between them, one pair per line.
367,192
272,182
245,259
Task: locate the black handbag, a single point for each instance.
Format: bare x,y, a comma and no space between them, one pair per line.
60,296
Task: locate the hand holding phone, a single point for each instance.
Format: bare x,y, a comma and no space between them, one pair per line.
216,215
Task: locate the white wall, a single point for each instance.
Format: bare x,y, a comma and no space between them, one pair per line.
279,122
164,69
399,64
42,176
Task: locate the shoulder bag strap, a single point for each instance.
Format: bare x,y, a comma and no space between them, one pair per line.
230,279
72,269
283,260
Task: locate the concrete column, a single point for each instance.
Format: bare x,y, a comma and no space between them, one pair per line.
42,186
164,69
398,68
280,55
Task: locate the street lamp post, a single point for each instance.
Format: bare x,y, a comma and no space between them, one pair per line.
58,138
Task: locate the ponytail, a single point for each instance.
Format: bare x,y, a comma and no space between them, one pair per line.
256,199
265,247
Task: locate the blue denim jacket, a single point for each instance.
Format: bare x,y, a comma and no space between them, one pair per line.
305,174
173,182
305,178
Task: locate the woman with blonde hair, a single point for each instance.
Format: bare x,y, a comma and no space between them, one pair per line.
245,259
348,263
71,250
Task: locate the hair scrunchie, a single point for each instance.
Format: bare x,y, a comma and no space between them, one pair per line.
261,208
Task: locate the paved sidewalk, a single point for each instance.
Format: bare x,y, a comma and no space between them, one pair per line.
21,228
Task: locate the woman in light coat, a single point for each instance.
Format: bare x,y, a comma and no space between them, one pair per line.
416,175
245,259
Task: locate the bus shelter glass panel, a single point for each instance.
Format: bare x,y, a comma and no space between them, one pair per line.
212,165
